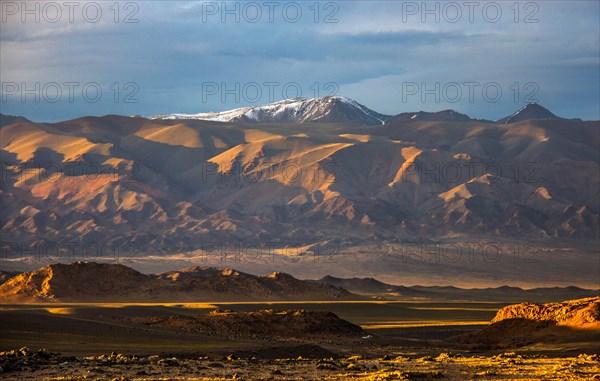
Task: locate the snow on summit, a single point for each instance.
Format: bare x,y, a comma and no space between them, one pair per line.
329,109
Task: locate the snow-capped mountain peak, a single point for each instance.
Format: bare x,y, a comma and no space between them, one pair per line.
530,111
329,109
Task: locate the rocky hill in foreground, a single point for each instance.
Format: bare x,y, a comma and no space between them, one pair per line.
580,313
524,324
263,323
91,282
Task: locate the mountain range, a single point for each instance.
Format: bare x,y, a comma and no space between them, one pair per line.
97,282
308,179
338,109
377,289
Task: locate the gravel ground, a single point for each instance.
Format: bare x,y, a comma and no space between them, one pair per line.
24,364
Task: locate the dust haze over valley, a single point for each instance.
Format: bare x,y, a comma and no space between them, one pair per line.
327,190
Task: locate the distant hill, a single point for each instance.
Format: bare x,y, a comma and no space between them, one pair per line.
10,119
374,288
440,116
89,281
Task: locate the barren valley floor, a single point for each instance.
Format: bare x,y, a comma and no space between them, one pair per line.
399,341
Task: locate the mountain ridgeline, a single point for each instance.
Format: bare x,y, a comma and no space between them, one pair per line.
294,110
337,109
100,282
97,282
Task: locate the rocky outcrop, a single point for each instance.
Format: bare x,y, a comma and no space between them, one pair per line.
264,323
578,313
524,324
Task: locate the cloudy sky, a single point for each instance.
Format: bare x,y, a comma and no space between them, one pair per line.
486,59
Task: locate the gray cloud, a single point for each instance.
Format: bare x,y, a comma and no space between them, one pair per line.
370,53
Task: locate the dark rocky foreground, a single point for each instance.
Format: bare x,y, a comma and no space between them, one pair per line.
306,345
25,364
